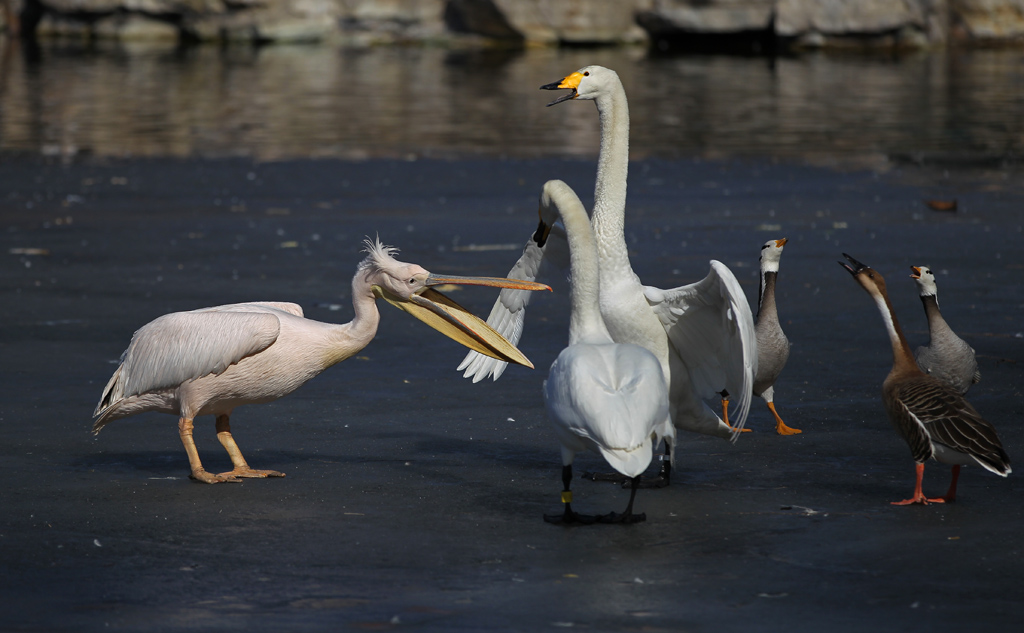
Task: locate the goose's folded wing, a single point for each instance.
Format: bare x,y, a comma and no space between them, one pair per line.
187,345
509,311
950,420
711,328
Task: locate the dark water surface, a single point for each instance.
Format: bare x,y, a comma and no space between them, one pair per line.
307,101
135,183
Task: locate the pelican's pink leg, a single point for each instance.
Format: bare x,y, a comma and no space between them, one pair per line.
241,467
198,472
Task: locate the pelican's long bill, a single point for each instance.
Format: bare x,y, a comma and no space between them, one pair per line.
458,323
571,82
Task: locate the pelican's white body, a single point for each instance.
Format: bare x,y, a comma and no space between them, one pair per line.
210,361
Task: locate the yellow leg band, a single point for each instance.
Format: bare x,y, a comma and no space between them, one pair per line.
567,496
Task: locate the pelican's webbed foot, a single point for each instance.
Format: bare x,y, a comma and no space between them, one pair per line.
251,473
209,478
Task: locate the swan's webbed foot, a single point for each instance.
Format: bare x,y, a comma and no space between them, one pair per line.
662,480
615,478
569,518
615,517
651,483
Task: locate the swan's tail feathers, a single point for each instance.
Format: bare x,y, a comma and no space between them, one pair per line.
630,462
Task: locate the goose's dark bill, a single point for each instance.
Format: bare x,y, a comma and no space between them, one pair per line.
857,266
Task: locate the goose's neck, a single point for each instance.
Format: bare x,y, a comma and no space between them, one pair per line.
766,300
902,358
612,169
936,324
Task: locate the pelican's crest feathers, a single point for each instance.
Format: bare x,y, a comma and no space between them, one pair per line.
379,256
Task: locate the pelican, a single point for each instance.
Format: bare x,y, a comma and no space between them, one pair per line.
212,360
930,414
610,398
702,333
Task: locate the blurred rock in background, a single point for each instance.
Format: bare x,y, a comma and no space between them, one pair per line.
858,24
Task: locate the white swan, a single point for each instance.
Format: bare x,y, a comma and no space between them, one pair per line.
702,333
608,397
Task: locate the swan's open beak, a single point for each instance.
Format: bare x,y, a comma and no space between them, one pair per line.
457,323
572,82
917,272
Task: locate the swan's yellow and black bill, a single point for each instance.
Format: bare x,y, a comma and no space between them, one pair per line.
458,323
572,82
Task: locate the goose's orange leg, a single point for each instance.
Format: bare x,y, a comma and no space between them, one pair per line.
918,494
780,426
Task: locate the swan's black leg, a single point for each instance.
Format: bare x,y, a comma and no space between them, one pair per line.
627,516
568,517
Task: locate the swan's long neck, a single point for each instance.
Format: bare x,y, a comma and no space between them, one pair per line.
610,189
585,323
348,339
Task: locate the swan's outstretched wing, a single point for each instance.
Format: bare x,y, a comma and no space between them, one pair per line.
711,328
182,346
509,311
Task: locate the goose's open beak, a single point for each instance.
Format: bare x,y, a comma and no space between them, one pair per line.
572,82
781,243
457,323
917,272
857,266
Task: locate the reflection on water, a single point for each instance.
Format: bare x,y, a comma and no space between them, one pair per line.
302,101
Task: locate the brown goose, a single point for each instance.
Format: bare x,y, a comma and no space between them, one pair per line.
931,415
947,356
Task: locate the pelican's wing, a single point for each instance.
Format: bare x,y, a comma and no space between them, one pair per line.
184,346
258,306
509,311
712,330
